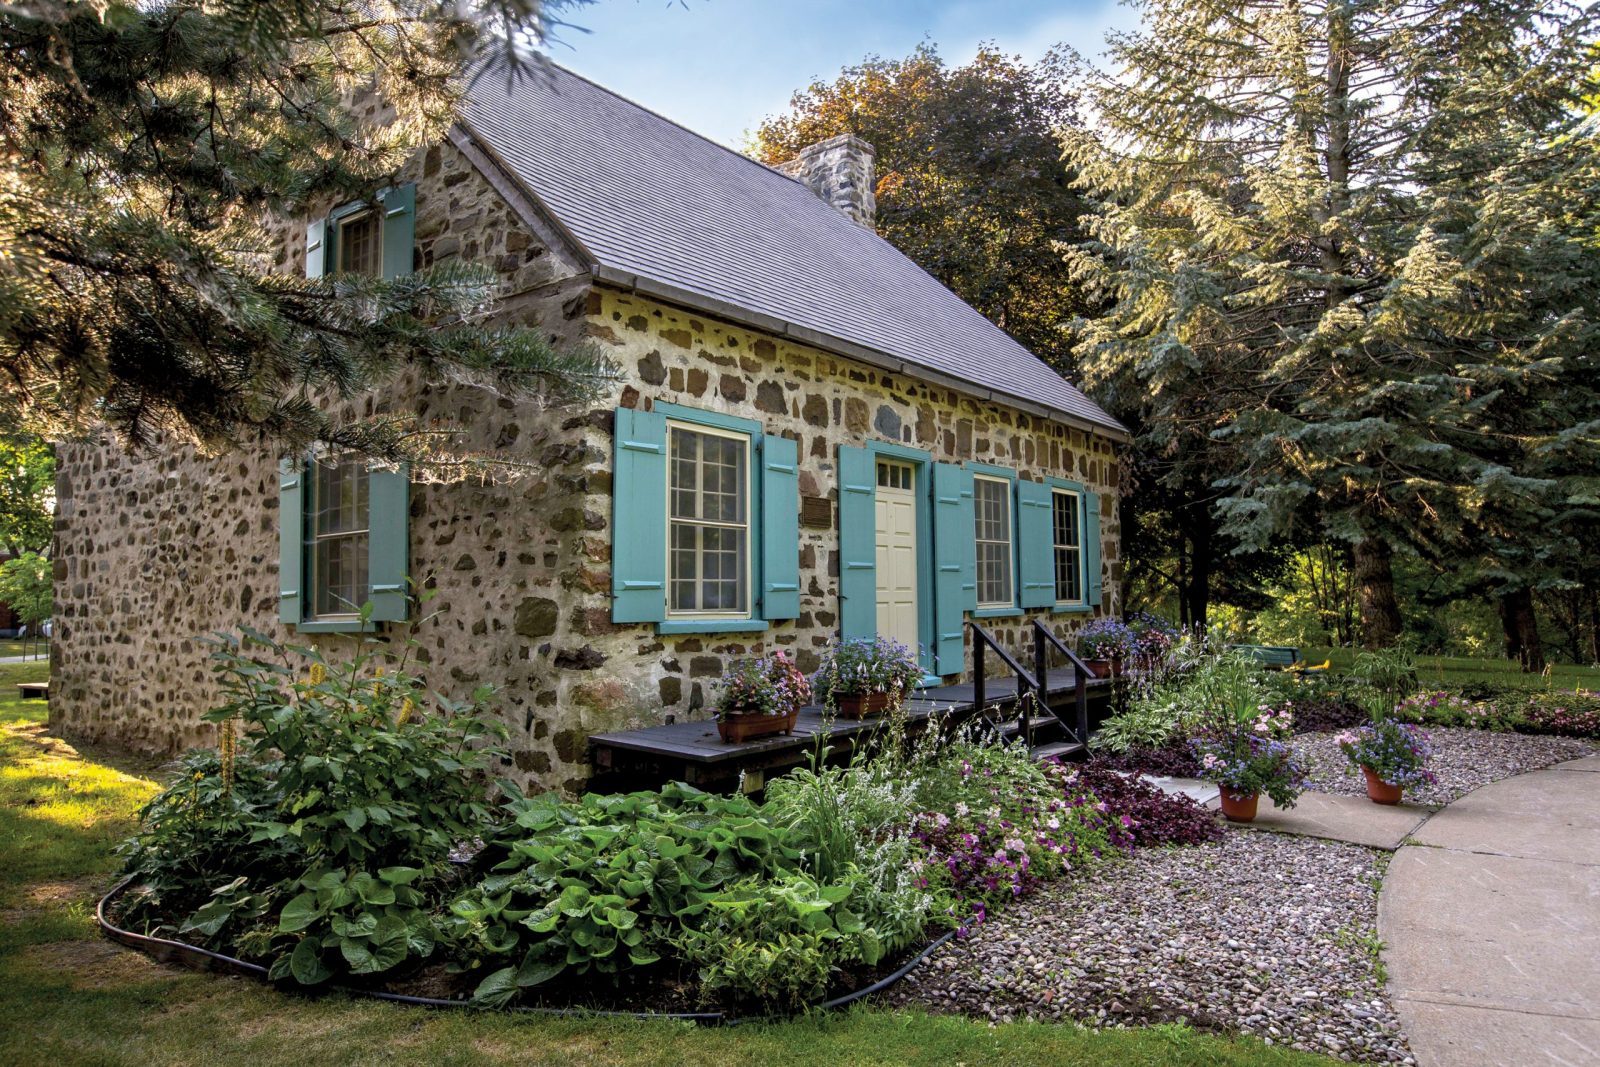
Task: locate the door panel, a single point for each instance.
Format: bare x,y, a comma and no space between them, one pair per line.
896,506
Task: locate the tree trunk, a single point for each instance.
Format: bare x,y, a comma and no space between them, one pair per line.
1522,629
1197,527
1374,579
1594,625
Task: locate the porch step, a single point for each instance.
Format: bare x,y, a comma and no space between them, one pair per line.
1063,750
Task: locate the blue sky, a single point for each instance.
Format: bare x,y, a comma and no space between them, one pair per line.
721,66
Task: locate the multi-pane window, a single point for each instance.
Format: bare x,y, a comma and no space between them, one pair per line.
339,536
360,244
991,499
1068,547
708,511
894,475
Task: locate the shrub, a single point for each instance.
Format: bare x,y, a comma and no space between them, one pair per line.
1154,816
1397,753
317,837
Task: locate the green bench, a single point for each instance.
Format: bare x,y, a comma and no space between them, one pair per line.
1281,656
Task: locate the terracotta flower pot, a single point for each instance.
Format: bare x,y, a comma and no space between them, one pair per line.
1237,806
736,726
1380,791
1104,668
860,705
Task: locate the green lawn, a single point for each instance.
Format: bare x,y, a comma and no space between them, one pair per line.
9,647
69,997
1443,670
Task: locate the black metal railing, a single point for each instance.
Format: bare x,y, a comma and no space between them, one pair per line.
1043,639
1028,687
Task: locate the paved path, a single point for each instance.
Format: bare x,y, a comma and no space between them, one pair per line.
1491,918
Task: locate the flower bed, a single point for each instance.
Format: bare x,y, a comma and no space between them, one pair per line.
317,843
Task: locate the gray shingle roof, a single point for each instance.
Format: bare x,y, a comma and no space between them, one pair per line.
654,202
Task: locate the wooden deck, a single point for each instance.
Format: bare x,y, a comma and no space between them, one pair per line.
694,752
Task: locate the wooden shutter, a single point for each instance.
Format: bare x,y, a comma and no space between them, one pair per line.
316,248
291,541
388,543
955,582
858,544
399,207
639,518
1091,549
1035,545
780,528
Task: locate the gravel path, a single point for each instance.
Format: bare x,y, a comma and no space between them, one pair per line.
1264,933
1463,760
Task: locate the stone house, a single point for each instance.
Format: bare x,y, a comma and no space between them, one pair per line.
813,438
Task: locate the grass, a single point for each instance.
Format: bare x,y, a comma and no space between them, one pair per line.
1446,670
13,647
72,998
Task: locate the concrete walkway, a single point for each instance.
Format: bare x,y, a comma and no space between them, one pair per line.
1491,918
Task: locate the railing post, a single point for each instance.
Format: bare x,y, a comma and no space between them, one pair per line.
1082,696
977,673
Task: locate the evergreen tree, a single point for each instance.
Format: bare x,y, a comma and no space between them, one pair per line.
970,184
1350,240
145,144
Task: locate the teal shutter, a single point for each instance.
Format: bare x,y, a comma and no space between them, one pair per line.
955,582
388,543
316,248
780,528
1035,545
858,544
1091,548
639,518
399,229
291,540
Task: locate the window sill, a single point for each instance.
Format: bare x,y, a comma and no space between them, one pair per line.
996,613
1071,609
711,626
335,626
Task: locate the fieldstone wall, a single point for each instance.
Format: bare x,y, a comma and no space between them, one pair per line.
152,552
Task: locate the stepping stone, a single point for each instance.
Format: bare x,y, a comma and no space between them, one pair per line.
1355,820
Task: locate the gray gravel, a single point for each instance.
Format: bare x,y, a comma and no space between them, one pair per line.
1265,934
1463,760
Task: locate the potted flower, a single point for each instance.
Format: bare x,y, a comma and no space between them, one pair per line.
1247,755
1104,644
760,696
866,675
1391,754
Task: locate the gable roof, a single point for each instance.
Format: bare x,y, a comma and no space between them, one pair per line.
661,209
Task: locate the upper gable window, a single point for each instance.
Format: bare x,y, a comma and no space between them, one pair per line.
360,245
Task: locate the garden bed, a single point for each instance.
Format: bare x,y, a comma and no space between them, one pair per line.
1263,934
1464,759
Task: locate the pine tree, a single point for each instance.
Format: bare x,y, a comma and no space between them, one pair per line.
1350,241
145,144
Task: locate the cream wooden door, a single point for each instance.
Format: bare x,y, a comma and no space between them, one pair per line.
897,552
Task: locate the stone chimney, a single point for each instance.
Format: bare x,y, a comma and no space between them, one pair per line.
840,171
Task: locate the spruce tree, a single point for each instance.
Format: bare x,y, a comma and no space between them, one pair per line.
146,143
1351,242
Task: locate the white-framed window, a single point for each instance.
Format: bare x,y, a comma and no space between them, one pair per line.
338,537
360,244
708,522
1067,525
991,500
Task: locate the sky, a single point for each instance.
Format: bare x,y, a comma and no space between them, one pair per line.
721,66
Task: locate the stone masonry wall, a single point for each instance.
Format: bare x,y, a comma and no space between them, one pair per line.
152,552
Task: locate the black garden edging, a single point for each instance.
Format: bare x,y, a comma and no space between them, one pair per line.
200,959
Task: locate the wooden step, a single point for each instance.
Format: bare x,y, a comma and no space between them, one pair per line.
1060,749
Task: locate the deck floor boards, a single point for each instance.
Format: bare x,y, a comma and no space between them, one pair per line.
698,743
